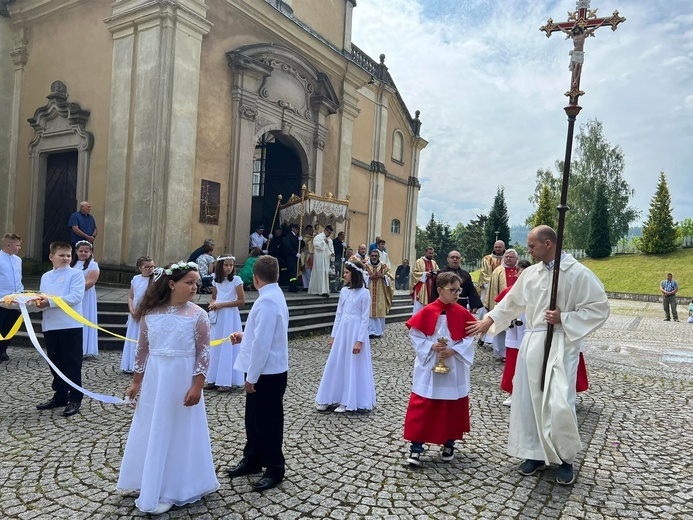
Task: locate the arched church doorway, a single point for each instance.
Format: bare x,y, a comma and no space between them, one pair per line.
60,198
276,170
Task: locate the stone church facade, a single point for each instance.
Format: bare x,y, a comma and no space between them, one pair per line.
181,120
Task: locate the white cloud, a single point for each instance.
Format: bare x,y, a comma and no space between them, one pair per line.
490,89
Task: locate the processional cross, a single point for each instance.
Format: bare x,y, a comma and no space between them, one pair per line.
582,23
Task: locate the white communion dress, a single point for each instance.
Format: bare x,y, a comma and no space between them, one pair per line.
348,377
168,456
223,357
90,336
139,285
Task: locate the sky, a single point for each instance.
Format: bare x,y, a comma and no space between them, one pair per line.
490,88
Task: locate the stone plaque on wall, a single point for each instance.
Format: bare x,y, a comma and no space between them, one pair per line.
210,199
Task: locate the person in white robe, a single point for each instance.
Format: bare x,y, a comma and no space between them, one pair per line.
543,425
322,256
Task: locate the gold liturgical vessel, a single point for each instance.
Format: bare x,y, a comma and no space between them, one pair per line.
441,367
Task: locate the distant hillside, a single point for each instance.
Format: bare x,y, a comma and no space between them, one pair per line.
518,235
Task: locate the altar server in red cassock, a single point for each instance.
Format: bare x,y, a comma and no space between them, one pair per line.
438,410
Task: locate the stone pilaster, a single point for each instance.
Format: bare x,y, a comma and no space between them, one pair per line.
349,112
413,188
152,143
19,55
248,75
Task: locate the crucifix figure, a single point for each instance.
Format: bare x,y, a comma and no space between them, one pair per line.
581,24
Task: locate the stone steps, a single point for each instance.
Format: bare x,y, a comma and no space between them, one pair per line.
308,315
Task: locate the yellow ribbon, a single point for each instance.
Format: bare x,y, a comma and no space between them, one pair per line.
13,330
80,319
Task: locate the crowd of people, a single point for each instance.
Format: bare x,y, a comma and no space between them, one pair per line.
168,457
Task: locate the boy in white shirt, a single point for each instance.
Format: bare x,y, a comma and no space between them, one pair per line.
62,333
10,283
264,358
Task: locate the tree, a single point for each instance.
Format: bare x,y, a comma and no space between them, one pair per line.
599,244
436,234
659,230
686,227
595,162
473,249
544,179
497,221
546,210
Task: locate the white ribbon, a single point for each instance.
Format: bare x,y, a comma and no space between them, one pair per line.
32,336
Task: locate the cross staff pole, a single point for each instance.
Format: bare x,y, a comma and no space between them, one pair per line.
581,24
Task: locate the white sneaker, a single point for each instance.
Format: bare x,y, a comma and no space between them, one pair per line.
507,401
162,508
340,409
322,407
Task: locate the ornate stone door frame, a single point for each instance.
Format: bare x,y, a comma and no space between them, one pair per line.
59,127
274,89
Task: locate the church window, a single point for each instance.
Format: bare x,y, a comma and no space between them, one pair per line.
398,146
259,163
394,227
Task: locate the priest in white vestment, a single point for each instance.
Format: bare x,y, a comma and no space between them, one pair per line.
323,254
543,425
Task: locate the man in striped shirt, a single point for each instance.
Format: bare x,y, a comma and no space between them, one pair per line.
669,288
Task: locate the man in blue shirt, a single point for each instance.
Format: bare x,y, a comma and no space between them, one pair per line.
82,224
669,288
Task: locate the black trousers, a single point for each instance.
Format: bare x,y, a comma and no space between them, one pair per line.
64,347
291,273
7,318
264,424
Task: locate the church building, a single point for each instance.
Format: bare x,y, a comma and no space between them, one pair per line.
181,120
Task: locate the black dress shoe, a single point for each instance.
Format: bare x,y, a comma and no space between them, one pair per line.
244,468
50,404
71,409
5,357
266,483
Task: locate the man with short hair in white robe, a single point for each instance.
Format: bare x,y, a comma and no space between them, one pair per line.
543,425
322,256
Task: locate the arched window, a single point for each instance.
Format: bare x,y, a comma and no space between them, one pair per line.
394,227
398,146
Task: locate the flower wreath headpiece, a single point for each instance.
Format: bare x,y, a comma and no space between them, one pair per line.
180,266
222,258
364,273
83,243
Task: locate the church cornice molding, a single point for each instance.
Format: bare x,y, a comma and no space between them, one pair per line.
327,56
28,12
190,14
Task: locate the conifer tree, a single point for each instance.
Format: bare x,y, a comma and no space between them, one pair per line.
599,241
659,230
545,212
497,221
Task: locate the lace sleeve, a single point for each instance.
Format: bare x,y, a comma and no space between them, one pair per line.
142,350
202,347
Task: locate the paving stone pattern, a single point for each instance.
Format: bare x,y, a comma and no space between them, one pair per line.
636,425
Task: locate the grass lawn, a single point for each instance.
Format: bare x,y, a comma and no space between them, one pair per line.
640,273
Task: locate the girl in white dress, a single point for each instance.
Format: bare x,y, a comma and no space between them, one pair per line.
138,286
348,377
227,298
84,261
168,456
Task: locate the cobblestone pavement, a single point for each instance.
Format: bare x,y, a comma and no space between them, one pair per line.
635,423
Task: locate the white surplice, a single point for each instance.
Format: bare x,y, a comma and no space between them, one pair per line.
320,276
543,425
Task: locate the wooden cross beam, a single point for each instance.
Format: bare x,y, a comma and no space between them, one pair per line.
582,23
